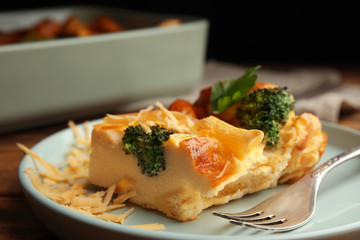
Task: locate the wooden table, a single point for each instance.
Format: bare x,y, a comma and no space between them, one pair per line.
17,221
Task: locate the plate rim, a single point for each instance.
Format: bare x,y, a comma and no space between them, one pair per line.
123,229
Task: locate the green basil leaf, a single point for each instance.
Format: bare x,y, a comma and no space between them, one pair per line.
227,93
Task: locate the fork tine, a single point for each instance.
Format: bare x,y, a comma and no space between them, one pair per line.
261,225
237,215
244,217
240,222
261,219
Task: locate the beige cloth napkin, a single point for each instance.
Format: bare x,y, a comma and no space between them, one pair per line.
316,90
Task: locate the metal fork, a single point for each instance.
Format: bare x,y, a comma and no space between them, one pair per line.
292,207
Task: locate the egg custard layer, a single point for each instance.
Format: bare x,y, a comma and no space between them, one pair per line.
208,161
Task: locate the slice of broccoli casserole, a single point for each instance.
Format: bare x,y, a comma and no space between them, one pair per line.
237,138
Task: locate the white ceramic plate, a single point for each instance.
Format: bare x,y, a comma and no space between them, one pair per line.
337,212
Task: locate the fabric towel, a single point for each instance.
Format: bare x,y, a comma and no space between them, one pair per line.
316,90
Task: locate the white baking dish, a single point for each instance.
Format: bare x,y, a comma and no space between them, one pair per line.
64,78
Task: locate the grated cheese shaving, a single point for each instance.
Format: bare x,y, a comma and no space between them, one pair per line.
141,112
117,218
171,118
116,118
153,226
109,194
125,196
146,128
150,123
189,121
79,201
66,182
48,167
106,208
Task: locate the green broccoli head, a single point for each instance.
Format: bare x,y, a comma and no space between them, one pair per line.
266,110
147,147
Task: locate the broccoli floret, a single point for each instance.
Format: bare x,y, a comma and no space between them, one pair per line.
147,147
266,110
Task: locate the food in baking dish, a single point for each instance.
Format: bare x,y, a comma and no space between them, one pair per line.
73,26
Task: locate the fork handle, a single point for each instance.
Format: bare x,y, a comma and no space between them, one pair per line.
324,168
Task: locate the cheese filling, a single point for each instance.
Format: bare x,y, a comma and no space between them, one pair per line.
208,161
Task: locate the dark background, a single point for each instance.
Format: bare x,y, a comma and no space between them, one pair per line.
252,31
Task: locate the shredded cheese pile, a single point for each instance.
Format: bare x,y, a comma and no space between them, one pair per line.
66,183
164,117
